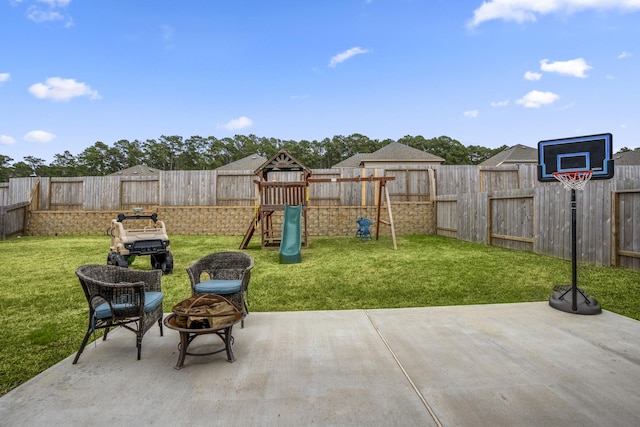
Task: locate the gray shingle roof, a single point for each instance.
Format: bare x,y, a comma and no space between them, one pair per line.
251,162
627,158
395,151
392,152
517,154
352,162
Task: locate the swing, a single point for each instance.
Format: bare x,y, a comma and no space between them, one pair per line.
363,228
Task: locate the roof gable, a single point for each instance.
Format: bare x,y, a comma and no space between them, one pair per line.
282,161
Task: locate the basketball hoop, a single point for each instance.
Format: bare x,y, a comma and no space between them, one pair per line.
575,180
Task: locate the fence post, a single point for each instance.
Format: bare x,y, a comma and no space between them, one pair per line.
615,229
3,215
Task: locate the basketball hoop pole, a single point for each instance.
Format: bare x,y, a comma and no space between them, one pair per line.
574,248
559,300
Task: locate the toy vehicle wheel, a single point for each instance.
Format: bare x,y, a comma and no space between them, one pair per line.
162,262
168,267
156,261
117,259
121,261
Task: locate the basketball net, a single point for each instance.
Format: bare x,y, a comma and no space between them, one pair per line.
573,180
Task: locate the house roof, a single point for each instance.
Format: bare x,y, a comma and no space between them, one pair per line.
137,170
392,152
395,151
627,157
517,154
251,162
352,162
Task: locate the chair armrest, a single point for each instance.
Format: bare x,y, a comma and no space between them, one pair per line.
246,276
194,273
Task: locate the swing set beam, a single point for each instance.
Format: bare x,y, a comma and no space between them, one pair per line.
382,180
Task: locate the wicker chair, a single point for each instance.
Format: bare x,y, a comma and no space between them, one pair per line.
120,296
227,274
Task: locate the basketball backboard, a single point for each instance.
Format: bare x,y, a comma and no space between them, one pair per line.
581,153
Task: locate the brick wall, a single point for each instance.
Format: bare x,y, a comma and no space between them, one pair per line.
408,217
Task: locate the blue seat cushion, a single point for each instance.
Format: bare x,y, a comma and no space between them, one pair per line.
151,301
220,287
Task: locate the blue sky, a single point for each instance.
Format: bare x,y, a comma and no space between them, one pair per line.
485,73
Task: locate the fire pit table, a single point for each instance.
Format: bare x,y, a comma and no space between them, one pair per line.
204,314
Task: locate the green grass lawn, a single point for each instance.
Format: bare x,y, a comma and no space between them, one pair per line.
43,312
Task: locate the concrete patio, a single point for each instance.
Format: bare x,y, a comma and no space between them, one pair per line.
521,364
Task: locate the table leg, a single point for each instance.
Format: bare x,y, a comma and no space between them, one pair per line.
184,343
228,338
186,338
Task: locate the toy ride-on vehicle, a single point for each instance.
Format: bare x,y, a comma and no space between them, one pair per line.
127,243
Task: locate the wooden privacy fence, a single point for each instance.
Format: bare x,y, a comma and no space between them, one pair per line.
502,206
13,219
4,193
210,188
502,219
475,179
538,218
625,234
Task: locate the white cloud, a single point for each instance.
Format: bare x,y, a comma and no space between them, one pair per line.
574,67
4,77
60,89
530,75
6,139
503,103
528,10
624,55
39,136
55,3
239,123
39,16
343,56
471,114
536,99
40,11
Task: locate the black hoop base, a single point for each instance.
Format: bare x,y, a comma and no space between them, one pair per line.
563,301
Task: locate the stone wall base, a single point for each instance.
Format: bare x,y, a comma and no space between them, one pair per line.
408,218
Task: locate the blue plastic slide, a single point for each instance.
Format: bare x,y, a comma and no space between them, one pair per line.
291,243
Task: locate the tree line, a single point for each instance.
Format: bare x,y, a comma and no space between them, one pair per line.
200,153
